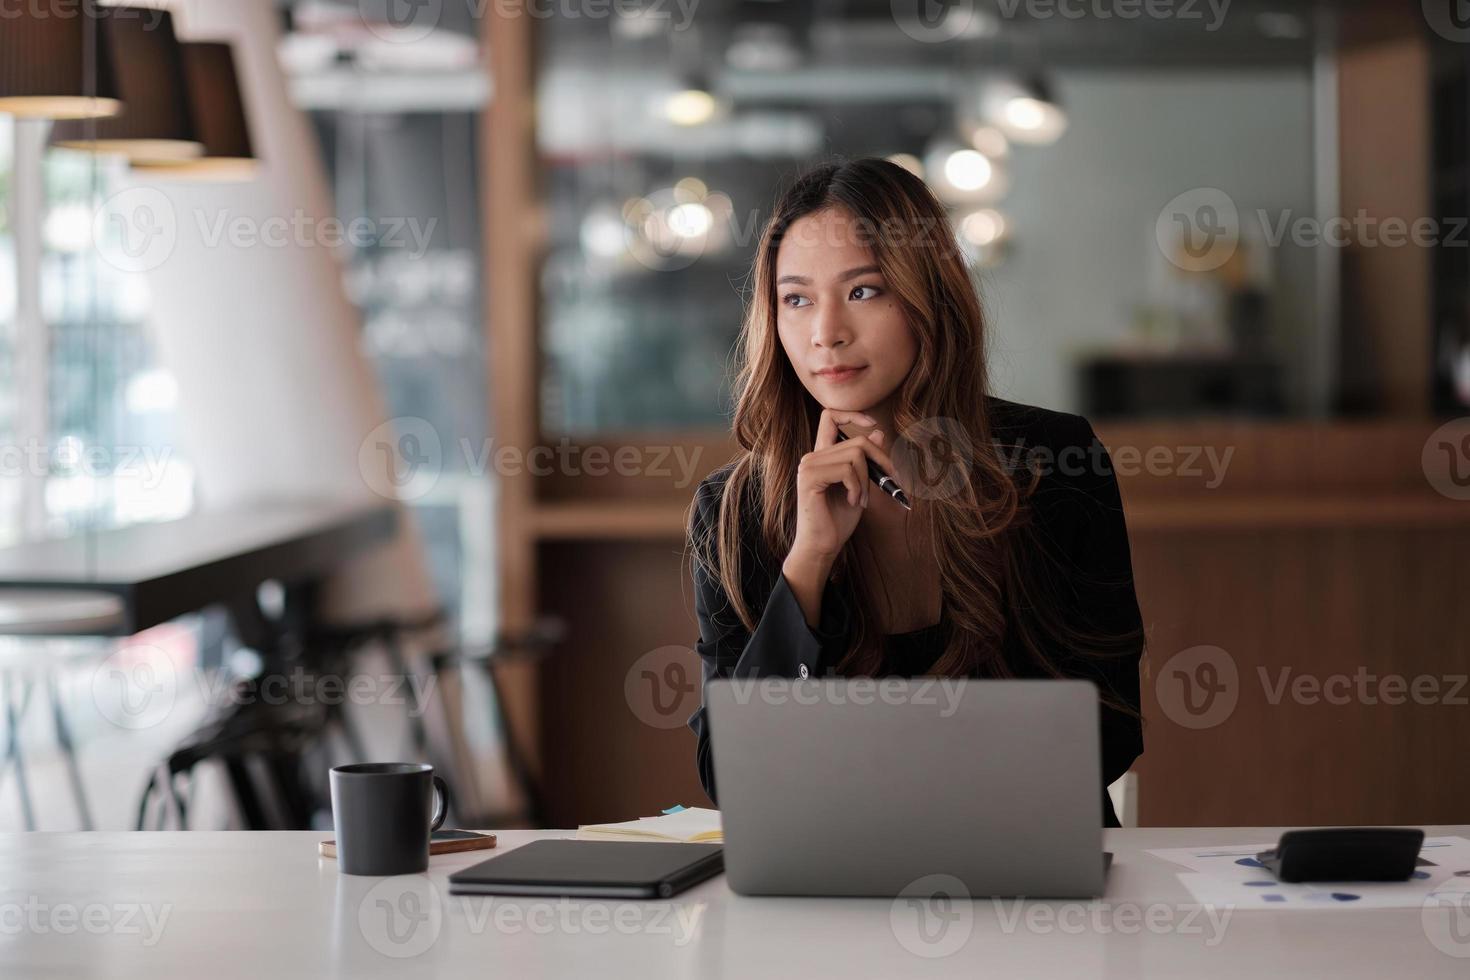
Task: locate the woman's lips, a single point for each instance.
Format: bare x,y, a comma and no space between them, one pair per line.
839,375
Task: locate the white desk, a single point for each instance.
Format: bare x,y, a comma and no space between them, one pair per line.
264,906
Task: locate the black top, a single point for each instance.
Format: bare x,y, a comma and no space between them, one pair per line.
1078,545
912,654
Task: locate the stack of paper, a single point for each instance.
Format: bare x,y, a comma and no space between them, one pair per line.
692,825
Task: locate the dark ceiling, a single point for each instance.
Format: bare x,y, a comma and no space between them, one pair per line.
1076,33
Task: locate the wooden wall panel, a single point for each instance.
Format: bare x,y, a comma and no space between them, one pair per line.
512,257
1384,130
606,757
1320,603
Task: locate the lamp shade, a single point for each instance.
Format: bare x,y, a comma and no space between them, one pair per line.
220,121
156,122
54,66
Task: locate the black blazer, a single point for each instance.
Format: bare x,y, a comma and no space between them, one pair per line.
1081,548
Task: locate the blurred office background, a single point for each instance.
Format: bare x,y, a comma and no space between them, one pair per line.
470,232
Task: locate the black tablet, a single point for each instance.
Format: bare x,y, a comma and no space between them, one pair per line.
592,869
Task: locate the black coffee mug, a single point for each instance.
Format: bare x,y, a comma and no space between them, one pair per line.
380,811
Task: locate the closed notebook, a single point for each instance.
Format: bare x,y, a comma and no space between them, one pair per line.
592,869
693,825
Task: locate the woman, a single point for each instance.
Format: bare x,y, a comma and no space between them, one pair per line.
1014,560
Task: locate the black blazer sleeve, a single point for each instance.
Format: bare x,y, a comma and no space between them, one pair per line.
782,643
1079,513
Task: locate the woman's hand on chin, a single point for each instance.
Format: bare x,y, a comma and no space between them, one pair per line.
831,492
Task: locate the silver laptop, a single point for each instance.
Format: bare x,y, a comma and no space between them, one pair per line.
871,787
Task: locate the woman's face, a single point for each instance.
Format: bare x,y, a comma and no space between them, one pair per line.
843,331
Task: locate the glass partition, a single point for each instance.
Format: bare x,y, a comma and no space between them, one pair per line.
1119,188
88,414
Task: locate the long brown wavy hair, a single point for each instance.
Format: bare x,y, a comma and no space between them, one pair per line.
973,510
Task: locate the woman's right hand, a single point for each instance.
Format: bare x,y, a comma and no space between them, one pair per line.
832,487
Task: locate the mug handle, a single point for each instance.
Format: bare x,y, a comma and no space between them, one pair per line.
441,808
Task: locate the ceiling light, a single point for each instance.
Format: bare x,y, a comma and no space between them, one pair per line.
690,220
690,107
990,141
44,67
219,119
1031,114
962,175
157,123
968,170
984,227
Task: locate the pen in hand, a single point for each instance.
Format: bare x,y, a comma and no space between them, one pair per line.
884,482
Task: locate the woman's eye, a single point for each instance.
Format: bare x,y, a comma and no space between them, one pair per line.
872,291
795,300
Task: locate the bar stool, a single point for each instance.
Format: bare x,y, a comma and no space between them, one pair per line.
44,628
